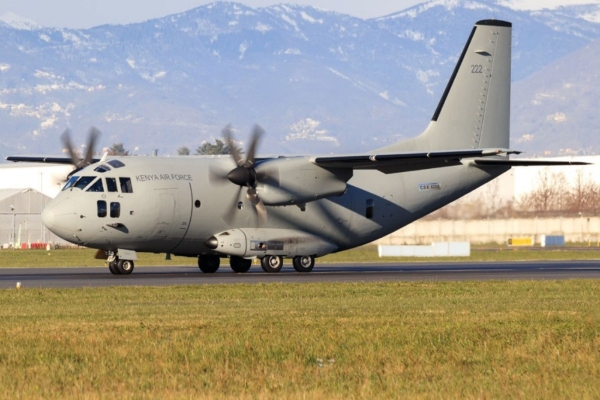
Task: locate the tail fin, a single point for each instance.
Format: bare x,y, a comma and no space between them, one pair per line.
474,111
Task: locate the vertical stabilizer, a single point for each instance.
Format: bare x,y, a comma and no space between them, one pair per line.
474,111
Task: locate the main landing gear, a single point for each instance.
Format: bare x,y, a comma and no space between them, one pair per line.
209,264
275,263
239,264
121,267
271,263
303,263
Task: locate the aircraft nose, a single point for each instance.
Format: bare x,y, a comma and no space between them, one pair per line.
59,218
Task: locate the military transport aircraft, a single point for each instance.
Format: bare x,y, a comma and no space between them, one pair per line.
295,207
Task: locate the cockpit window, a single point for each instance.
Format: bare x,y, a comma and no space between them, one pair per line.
79,182
102,168
111,185
96,186
115,163
126,185
83,182
71,182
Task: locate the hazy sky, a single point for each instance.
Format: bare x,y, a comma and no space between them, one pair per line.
88,13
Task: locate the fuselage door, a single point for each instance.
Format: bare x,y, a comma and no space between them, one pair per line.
164,216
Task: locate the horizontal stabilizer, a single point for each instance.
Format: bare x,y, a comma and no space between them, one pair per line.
527,163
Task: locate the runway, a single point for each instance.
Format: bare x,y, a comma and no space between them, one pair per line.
364,272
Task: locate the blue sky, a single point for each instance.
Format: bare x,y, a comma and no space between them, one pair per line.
88,13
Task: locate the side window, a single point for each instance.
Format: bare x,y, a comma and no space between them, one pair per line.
111,185
370,208
96,186
115,210
101,208
126,185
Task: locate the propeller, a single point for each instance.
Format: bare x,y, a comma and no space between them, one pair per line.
79,163
244,174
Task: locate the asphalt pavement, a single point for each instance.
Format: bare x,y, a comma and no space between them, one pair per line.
75,277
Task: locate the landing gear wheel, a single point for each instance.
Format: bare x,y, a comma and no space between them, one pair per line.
112,267
209,264
239,264
304,263
125,267
272,263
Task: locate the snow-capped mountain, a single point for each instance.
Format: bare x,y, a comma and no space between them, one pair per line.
317,81
16,21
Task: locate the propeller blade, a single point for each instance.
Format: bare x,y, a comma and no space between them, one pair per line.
228,218
256,134
259,206
245,174
66,139
92,138
237,157
261,211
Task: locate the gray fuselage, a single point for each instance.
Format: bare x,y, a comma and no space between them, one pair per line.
173,207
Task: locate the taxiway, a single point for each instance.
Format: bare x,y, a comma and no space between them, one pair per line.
364,272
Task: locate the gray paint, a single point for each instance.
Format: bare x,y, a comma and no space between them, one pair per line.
160,215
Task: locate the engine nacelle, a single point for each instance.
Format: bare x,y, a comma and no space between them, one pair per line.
258,242
296,180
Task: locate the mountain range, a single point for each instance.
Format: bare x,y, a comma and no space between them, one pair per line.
316,81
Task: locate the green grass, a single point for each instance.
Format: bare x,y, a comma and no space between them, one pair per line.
514,339
85,257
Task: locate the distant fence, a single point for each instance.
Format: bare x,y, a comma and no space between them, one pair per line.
582,229
18,229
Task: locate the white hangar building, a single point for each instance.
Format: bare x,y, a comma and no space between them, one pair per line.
25,189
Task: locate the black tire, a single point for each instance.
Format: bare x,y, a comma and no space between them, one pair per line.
272,263
304,263
113,268
125,267
239,264
209,264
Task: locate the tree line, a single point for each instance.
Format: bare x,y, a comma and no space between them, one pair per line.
553,195
206,148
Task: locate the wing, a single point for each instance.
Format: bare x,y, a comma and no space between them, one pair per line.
45,159
403,162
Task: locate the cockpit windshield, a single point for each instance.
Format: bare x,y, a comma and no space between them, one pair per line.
71,182
112,185
79,182
96,186
83,182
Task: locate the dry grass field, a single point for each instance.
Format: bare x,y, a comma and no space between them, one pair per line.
516,339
